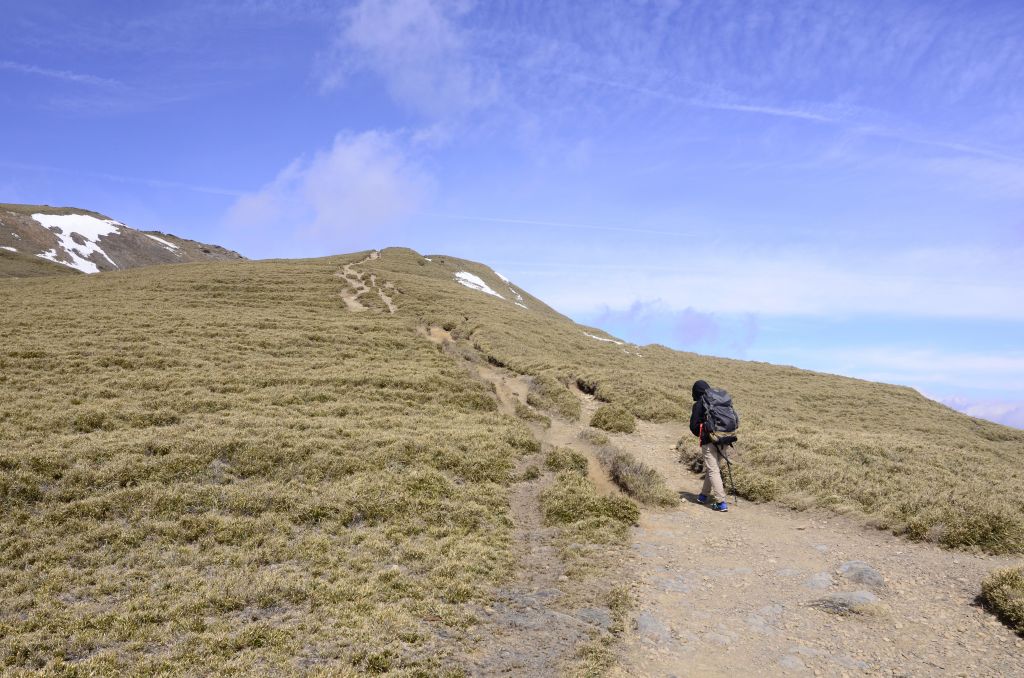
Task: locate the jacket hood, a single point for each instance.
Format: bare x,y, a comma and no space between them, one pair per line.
699,387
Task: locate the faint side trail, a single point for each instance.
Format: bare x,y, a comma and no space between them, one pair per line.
356,287
733,594
541,618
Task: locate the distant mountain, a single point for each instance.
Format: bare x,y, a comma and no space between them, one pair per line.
35,237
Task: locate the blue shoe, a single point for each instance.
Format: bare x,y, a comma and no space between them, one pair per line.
720,506
702,498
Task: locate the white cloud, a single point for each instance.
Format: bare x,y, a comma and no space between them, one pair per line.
361,182
1010,413
418,51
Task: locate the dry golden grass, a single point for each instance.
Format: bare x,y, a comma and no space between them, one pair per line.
615,418
573,503
1003,592
215,468
635,478
21,265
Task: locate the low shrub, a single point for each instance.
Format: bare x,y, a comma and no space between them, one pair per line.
527,413
636,478
547,392
565,459
1003,593
532,472
594,437
614,418
90,421
572,498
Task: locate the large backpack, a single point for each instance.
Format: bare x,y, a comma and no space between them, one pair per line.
719,415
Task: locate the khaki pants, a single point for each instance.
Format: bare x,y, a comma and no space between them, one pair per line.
713,460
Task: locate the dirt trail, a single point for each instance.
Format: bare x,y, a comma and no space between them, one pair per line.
383,297
356,287
734,593
738,593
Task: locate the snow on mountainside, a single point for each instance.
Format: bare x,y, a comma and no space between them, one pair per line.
88,242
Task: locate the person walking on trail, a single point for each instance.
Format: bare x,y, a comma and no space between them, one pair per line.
713,458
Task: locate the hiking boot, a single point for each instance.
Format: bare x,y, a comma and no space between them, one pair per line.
720,506
702,498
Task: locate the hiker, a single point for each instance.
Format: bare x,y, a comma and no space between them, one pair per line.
713,456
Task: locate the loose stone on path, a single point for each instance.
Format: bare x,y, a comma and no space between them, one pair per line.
860,572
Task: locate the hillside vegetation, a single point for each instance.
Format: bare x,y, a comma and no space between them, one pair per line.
19,265
218,467
886,453
215,467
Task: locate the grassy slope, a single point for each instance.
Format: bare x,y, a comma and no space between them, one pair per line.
215,467
19,265
885,452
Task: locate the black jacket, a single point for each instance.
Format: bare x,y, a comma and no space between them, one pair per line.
697,414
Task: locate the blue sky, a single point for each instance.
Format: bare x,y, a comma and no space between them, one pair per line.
833,185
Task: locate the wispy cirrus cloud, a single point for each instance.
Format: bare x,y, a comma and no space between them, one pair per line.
58,74
126,179
418,50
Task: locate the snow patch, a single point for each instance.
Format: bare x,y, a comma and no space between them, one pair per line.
519,297
52,256
521,305
89,228
428,258
475,282
614,341
169,246
9,249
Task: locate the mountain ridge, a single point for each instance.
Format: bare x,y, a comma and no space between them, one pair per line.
86,241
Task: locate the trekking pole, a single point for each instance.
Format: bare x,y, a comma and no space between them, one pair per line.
735,497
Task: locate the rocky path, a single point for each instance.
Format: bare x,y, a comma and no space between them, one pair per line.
356,287
762,590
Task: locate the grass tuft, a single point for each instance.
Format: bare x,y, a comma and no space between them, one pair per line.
572,501
1003,593
614,418
637,479
548,393
566,459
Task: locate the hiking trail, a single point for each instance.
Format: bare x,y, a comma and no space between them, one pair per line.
542,616
760,590
356,287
